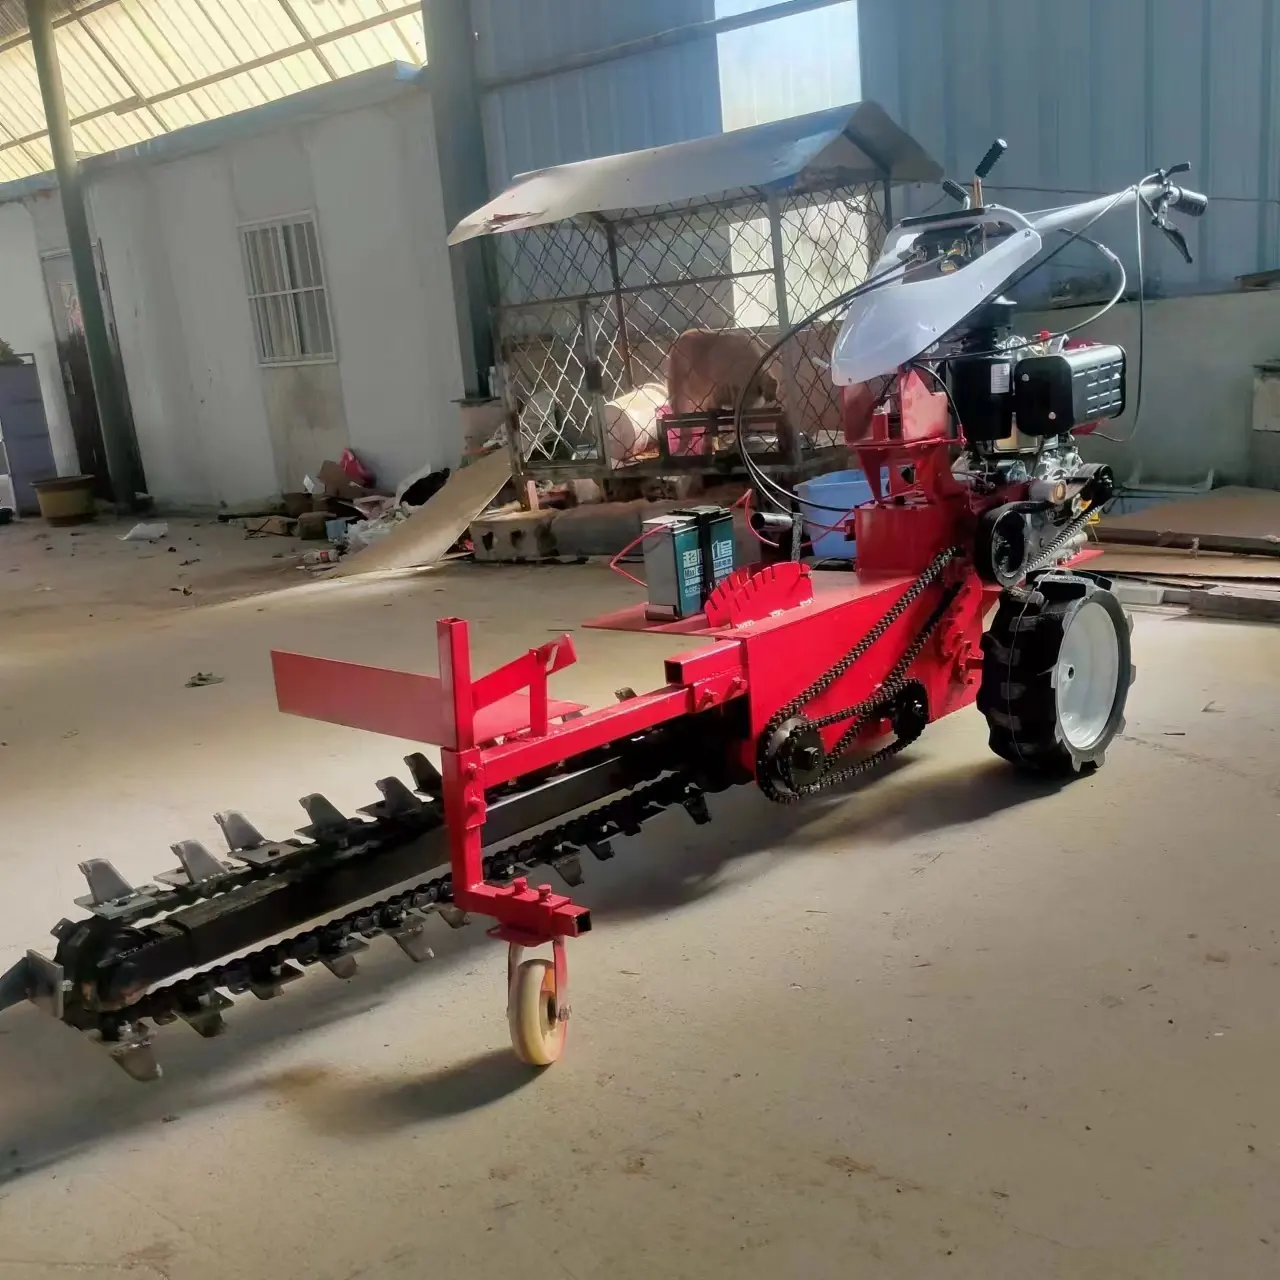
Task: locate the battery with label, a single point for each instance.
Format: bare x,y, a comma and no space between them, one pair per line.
686,553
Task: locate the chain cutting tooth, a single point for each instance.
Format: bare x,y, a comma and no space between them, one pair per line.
696,807
569,869
272,981
133,1052
426,777
397,801
105,883
326,818
343,963
601,850
240,833
203,1013
453,916
199,866
411,937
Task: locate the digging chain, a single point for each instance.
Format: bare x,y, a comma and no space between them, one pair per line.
891,691
590,830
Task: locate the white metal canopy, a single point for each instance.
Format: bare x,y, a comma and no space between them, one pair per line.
841,146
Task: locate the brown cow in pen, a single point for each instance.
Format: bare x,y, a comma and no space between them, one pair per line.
706,369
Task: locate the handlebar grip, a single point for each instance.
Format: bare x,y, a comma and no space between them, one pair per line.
1184,200
988,162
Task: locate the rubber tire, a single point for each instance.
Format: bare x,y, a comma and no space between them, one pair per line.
1020,655
536,1035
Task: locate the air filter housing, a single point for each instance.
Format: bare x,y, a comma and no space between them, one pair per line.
1052,394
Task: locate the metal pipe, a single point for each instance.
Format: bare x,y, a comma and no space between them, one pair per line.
464,179
784,323
620,310
117,431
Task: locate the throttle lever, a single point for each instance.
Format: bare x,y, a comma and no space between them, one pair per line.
988,162
985,165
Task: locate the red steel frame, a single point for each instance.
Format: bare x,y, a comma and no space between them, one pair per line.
774,631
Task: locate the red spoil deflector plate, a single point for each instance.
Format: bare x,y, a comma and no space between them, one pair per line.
400,704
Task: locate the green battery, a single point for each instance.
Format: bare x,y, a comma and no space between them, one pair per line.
686,553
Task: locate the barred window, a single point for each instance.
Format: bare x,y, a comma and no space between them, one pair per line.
287,291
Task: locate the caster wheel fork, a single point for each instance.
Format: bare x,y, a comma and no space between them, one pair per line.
537,1004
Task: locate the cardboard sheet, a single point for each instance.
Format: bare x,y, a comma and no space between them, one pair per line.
1204,566
427,534
1232,512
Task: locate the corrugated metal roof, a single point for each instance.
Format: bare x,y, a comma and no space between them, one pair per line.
841,146
136,69
1091,96
645,101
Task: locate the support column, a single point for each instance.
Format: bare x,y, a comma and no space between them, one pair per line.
455,106
117,430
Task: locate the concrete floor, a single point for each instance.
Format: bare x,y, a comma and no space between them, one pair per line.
948,1024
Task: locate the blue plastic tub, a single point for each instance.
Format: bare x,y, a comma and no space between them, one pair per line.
843,490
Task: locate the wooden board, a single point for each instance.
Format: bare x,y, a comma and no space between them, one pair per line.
1156,562
427,534
1233,512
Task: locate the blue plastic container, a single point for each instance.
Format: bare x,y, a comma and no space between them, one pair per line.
842,490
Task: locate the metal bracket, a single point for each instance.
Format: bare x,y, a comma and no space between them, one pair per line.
204,1014
240,833
453,916
569,869
343,964
326,818
426,777
35,978
411,938
198,866
110,895
271,987
397,801
134,1054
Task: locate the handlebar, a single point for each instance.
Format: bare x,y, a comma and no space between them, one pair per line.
1069,217
1184,200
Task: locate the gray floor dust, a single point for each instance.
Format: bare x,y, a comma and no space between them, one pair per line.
948,1024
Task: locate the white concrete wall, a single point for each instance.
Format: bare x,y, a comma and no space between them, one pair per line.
215,427
380,213
1197,386
27,325
152,343
200,224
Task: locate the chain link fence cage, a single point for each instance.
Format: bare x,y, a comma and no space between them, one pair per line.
623,340
635,295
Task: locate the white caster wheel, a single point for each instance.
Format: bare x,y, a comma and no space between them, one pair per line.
533,1014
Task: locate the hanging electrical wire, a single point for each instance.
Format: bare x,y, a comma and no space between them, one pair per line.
784,499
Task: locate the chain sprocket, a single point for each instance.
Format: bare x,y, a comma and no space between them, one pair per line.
888,694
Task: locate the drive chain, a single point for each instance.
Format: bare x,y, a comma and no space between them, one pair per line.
890,690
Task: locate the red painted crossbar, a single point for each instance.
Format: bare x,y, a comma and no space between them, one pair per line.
401,704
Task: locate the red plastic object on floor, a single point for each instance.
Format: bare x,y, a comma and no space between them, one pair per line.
356,469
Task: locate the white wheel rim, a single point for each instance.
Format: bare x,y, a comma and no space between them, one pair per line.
1087,675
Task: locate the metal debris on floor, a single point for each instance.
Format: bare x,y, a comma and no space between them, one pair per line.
202,678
